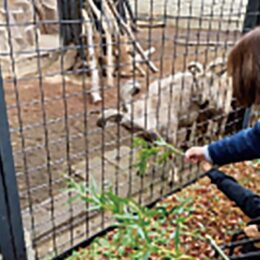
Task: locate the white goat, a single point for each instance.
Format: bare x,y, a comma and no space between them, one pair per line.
173,102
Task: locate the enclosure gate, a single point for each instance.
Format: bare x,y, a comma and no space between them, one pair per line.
52,123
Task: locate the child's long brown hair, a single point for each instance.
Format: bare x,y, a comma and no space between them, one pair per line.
244,68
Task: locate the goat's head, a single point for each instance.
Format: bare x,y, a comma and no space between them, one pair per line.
127,91
213,84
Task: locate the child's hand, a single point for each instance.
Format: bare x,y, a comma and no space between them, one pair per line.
195,154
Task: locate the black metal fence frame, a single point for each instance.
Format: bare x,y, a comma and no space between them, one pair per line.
12,244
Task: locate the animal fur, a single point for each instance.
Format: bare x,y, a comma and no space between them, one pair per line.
174,101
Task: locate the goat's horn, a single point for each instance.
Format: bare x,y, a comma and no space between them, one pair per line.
112,115
195,68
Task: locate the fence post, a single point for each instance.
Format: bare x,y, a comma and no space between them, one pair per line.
252,19
70,21
12,245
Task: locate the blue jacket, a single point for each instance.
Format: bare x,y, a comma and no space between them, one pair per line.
245,145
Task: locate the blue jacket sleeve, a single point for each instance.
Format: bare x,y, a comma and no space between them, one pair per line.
245,145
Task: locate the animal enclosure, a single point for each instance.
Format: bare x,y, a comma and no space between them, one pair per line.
82,79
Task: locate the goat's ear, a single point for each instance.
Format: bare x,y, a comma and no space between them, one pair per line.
217,66
136,87
195,68
129,89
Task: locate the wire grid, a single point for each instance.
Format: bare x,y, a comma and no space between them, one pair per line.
53,119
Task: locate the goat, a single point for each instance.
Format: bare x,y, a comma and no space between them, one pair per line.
173,101
220,96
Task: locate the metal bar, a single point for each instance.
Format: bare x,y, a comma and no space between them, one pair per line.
241,242
253,255
70,21
252,17
12,238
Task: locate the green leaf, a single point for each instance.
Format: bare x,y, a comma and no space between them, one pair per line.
73,199
147,255
103,242
142,233
177,239
93,208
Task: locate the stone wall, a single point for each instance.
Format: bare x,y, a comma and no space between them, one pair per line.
213,14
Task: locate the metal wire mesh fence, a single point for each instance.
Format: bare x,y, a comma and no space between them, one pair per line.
72,70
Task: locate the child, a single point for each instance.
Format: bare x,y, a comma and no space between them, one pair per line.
244,69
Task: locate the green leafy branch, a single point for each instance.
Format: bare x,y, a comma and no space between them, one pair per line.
139,231
153,154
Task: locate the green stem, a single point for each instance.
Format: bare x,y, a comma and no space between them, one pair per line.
176,151
170,146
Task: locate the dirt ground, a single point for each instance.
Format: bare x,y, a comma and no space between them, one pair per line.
49,138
